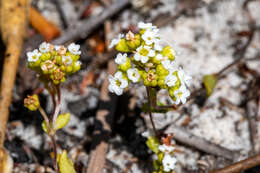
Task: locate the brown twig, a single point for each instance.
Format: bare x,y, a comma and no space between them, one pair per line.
183,136
57,4
13,25
102,131
240,166
83,30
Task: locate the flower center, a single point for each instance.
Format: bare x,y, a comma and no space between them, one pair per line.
144,52
118,82
151,76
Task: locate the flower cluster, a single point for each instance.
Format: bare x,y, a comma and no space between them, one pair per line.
143,58
54,63
165,161
32,102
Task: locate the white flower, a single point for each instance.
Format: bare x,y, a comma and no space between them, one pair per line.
181,94
143,53
169,65
66,60
116,40
44,47
33,56
74,49
150,37
158,46
117,83
169,162
133,74
121,58
166,149
159,57
57,47
170,80
142,25
184,77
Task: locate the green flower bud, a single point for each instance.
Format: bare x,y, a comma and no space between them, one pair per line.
32,102
58,60
74,57
161,71
122,46
58,76
133,41
76,66
168,52
45,56
48,67
124,67
68,69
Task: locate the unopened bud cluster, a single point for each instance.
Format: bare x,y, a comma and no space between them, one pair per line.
54,63
32,102
144,59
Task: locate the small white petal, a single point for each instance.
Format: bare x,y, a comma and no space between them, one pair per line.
44,47
66,60
121,58
74,49
169,162
133,75
170,80
166,149
115,41
33,56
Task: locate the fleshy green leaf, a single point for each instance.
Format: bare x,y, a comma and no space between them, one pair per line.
44,127
62,121
153,143
65,164
210,82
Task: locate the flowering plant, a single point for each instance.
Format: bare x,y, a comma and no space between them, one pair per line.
144,59
53,64
148,62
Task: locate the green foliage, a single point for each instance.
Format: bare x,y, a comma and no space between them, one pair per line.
210,82
153,143
62,121
65,164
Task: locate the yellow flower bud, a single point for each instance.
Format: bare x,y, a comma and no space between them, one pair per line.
32,102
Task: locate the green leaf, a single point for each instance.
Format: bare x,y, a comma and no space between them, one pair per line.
153,143
62,121
210,82
44,126
65,164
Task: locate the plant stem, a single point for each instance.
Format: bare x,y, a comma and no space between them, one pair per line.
45,117
54,145
57,107
149,109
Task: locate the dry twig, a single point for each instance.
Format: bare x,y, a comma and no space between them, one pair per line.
13,26
183,136
83,30
240,166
